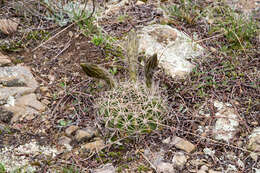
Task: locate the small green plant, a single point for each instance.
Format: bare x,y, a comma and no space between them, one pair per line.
97,40
113,70
186,11
64,123
122,18
142,168
2,168
64,13
237,29
70,169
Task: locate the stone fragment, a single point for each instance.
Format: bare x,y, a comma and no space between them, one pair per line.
30,117
65,141
182,144
7,92
179,160
156,158
44,90
70,130
4,60
209,152
20,75
24,107
97,145
254,140
212,171
31,101
85,134
5,115
108,168
227,122
165,167
203,169
140,3
173,47
9,26
19,113
46,102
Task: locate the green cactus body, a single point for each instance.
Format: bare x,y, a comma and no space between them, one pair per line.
95,71
149,68
132,53
131,109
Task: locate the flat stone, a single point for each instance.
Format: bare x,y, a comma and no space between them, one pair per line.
227,123
30,100
19,113
70,130
173,48
5,93
97,145
20,75
9,26
26,107
108,168
65,141
4,60
179,160
203,169
165,167
182,144
85,134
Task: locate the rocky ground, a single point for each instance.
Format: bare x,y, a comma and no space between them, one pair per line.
206,90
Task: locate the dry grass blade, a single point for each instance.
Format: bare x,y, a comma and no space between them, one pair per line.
95,71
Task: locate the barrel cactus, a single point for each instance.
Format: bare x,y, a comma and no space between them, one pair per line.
131,108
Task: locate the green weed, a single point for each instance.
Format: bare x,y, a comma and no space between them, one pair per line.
2,168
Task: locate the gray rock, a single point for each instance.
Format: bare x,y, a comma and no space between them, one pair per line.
17,98
179,160
156,158
5,115
85,134
203,169
30,100
254,140
97,145
20,74
227,122
70,130
24,107
108,168
174,46
65,141
15,92
165,167
180,143
4,60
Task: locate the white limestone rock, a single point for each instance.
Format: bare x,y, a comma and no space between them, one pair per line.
174,46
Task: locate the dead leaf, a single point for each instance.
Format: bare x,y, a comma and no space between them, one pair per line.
8,26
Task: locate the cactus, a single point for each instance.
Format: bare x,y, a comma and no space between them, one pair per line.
149,68
95,71
131,109
132,52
